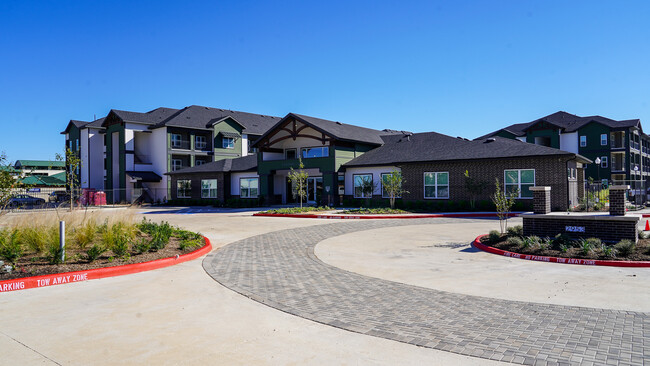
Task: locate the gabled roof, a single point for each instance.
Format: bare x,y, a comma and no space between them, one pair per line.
74,123
566,122
243,164
432,146
44,164
96,123
200,117
149,118
338,130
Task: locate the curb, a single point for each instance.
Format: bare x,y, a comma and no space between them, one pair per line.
375,217
93,274
538,258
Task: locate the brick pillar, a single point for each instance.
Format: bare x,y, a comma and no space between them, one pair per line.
581,184
617,200
541,200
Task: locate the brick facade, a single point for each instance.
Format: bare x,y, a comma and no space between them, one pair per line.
610,229
549,171
541,200
617,200
222,185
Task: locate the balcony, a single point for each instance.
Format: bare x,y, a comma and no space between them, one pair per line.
180,144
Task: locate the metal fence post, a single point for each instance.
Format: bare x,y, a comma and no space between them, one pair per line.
62,240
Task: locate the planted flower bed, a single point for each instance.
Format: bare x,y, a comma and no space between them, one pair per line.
562,246
376,211
33,250
297,210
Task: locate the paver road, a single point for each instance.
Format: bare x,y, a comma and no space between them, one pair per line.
279,269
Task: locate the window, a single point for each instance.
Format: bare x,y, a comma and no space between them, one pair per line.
341,184
436,185
251,149
603,162
363,186
177,164
603,139
176,140
583,141
315,152
208,188
77,144
227,142
199,162
248,187
384,192
200,142
290,154
519,180
183,188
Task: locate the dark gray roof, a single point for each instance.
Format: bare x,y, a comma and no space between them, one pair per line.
149,118
432,146
96,123
340,131
243,164
75,123
201,117
567,122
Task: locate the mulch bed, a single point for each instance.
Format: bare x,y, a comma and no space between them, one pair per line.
641,253
37,265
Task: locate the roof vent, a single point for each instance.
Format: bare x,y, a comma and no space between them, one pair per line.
339,123
188,117
491,139
207,108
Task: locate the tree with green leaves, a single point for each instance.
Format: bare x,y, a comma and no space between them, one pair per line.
367,187
7,182
298,179
73,164
503,203
474,187
392,184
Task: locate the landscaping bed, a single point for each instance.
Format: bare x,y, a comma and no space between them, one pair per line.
33,251
297,210
562,246
376,211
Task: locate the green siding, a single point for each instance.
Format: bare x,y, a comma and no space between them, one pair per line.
227,126
594,149
552,134
121,162
506,134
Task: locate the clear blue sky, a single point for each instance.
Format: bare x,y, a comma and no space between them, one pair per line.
456,67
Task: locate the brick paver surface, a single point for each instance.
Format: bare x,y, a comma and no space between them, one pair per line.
280,270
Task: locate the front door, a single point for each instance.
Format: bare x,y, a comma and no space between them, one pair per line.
314,189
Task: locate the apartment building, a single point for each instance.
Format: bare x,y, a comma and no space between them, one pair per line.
339,158
621,148
128,153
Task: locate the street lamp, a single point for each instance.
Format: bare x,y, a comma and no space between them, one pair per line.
597,161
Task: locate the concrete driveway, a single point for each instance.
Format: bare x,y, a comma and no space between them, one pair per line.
180,315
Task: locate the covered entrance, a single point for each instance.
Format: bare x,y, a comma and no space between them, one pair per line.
314,191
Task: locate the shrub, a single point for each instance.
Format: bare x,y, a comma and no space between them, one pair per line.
584,246
561,239
95,251
531,241
608,251
190,244
625,247
85,234
10,246
595,242
515,240
494,236
52,246
545,243
34,238
142,246
517,230
563,248
643,235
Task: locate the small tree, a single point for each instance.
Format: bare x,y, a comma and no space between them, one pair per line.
7,182
367,188
474,187
503,204
392,183
73,163
298,179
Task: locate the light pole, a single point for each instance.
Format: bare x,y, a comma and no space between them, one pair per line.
597,161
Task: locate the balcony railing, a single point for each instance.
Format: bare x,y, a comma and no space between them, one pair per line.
618,167
180,144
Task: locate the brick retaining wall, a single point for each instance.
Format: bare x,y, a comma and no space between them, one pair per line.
610,229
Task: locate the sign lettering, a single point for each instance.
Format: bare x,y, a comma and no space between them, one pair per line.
574,229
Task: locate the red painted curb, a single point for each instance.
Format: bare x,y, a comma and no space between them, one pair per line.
373,217
587,262
93,274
